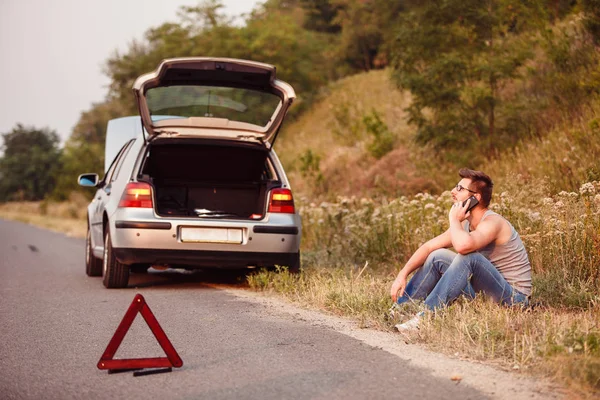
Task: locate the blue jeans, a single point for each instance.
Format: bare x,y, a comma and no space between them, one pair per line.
446,275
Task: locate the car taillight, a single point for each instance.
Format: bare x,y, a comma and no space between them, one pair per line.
137,195
281,201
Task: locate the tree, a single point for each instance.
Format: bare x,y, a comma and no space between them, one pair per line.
84,151
321,15
455,57
30,161
273,34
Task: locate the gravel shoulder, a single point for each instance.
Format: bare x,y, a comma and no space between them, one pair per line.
495,382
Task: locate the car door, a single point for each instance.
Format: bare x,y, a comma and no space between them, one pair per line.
103,196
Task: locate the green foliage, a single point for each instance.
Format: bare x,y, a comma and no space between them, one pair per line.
346,127
84,151
272,35
382,138
361,34
591,15
310,169
569,77
455,58
30,161
321,15
78,158
481,75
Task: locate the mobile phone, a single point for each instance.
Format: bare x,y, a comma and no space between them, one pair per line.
472,204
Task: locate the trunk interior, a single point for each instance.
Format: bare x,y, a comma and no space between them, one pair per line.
209,180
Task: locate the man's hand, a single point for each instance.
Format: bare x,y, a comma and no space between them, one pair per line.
398,287
458,212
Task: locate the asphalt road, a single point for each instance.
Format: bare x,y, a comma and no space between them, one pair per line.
55,323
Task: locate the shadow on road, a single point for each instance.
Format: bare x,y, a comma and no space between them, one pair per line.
180,278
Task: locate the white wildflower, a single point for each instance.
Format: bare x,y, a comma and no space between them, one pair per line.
577,225
559,205
429,206
554,222
446,195
535,216
597,199
414,202
587,189
547,201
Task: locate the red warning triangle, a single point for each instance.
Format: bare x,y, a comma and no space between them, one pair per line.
139,305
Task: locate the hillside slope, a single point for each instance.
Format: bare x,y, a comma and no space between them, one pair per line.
326,151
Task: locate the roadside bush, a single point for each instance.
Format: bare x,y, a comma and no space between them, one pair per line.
382,139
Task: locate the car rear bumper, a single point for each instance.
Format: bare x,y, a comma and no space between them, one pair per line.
200,258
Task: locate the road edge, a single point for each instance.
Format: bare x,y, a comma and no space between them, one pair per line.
493,382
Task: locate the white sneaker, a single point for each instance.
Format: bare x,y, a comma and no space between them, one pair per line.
412,324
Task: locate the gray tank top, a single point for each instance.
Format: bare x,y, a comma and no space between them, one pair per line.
510,258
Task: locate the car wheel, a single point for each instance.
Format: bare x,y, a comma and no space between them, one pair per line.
93,265
294,267
115,274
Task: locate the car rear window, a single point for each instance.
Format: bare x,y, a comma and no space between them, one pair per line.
235,104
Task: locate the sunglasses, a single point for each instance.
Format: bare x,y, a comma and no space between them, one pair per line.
460,188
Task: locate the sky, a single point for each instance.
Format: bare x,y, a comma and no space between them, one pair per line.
52,53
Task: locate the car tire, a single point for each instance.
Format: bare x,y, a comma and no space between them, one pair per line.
294,267
114,274
93,265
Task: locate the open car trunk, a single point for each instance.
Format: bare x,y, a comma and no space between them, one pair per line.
209,180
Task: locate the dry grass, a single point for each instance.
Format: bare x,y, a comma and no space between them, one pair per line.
334,131
559,337
563,159
556,342
65,217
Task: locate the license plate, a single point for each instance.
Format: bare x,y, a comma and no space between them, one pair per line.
211,235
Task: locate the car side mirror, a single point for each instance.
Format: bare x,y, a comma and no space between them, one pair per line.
88,180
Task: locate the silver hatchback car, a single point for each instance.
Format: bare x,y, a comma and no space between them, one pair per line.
194,182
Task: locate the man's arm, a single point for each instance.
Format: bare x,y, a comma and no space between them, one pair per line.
467,242
416,261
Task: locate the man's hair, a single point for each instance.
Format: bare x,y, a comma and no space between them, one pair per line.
481,183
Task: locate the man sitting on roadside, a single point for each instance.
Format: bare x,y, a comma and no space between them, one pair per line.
491,257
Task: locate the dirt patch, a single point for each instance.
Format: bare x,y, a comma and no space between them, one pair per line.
496,383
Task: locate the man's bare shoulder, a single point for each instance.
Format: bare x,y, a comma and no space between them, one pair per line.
497,224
